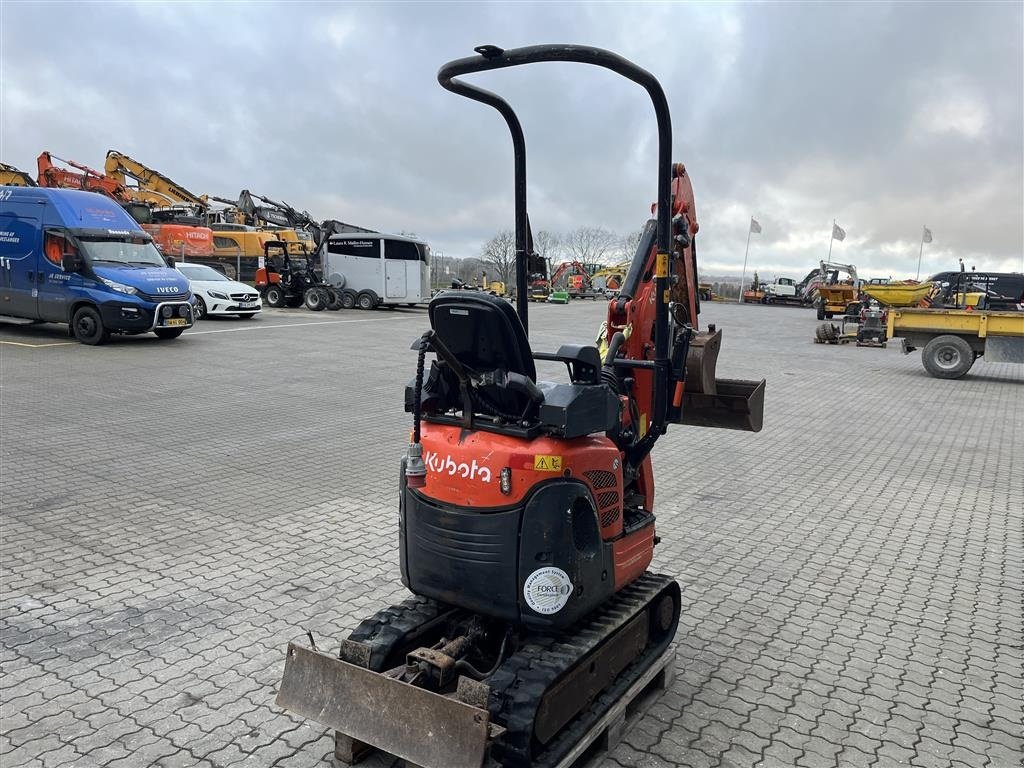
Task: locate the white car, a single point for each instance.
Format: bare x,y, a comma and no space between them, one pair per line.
216,294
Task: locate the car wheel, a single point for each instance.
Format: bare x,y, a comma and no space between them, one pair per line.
274,296
348,299
199,310
947,357
366,300
314,300
87,326
168,333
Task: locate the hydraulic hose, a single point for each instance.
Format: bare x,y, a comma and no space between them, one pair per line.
608,373
417,396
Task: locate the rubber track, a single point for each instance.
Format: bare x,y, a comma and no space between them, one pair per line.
387,629
519,685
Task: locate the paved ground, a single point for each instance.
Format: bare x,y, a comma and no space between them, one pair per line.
175,513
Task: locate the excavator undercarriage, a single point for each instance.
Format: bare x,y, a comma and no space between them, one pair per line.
522,698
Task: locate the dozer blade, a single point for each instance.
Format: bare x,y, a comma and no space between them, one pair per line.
420,726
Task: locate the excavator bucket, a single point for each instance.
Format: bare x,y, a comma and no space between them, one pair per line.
735,404
712,402
424,728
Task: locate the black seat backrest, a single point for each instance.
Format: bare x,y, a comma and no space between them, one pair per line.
482,331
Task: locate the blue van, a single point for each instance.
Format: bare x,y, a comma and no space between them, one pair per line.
75,257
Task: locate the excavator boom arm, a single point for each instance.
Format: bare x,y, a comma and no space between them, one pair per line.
122,168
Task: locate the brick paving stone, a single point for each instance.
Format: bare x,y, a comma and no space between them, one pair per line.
848,599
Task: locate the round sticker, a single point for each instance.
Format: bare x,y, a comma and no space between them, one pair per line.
547,590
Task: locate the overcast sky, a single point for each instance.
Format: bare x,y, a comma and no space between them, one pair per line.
885,117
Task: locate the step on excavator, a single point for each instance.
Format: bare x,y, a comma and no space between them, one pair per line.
527,509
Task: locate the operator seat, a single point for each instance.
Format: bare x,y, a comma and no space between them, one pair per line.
485,334
486,337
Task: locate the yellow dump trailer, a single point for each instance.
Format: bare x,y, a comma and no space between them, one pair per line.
952,339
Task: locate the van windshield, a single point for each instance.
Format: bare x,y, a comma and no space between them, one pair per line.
139,252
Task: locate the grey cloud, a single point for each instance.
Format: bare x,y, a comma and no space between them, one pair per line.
884,116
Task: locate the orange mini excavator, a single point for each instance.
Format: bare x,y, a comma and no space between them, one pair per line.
527,509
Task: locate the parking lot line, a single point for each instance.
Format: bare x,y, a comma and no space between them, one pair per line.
49,344
293,325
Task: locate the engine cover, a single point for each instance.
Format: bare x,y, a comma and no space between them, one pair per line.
541,562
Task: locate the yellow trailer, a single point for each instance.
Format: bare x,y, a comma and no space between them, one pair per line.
952,339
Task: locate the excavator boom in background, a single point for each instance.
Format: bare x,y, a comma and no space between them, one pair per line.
11,176
149,184
83,177
176,236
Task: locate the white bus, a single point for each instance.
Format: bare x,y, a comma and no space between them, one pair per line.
371,269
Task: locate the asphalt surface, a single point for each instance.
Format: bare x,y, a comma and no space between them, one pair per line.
173,513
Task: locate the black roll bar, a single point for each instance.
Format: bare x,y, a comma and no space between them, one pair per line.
491,57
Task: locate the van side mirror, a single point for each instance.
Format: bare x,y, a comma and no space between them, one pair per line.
71,262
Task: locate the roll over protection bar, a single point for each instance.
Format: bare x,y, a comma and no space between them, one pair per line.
491,57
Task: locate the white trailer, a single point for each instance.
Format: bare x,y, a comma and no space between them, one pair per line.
370,269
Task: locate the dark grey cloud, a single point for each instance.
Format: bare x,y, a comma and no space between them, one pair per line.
886,117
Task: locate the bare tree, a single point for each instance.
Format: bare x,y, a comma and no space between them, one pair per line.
590,245
627,245
499,253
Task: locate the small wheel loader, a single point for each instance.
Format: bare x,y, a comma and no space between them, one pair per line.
527,508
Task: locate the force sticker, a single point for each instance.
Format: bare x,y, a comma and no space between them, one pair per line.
547,590
545,463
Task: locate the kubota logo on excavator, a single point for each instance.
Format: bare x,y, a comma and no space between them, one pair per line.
448,466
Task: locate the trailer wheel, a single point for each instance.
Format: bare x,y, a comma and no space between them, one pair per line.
367,300
314,299
87,326
348,299
947,357
274,296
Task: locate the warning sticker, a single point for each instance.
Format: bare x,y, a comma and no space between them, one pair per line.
547,590
545,463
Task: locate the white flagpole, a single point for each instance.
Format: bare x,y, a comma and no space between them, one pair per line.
920,253
743,279
830,239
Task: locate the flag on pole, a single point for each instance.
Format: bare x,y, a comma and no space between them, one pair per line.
755,227
838,233
927,237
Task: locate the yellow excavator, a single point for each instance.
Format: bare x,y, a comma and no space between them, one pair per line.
148,185
15,177
235,246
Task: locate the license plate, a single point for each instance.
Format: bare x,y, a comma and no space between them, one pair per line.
176,321
247,304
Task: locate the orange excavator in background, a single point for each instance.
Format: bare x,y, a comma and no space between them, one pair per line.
10,176
178,237
83,177
573,274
